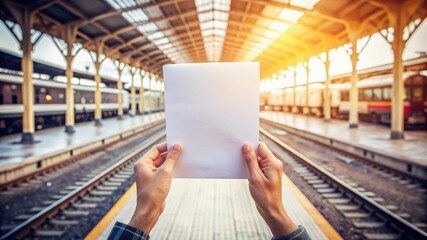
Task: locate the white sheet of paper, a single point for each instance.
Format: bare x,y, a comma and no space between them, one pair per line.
212,109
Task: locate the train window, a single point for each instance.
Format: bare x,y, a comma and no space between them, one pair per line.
37,99
344,96
408,93
377,94
417,80
417,94
367,94
387,93
1,98
361,96
14,99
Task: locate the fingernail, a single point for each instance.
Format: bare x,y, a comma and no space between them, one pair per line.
247,148
177,147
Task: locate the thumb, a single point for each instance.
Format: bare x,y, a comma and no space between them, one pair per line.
251,160
172,157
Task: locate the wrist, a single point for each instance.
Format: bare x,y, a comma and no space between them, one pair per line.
279,222
145,218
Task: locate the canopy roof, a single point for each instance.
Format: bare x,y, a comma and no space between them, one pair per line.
149,34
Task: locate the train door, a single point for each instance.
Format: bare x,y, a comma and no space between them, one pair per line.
416,112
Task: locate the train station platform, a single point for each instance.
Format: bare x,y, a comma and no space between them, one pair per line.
368,140
55,139
216,209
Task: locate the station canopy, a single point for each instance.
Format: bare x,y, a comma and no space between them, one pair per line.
149,34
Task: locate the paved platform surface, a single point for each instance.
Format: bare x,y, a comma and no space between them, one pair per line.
218,209
372,136
54,139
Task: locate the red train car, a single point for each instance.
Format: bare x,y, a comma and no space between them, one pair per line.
375,94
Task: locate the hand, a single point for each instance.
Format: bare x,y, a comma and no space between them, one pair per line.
265,186
153,176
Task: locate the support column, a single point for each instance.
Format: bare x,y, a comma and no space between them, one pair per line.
294,96
141,107
150,94
27,81
132,71
327,97
307,89
70,37
354,90
120,95
398,85
98,112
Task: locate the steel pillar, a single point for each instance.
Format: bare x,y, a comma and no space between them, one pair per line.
120,67
69,37
354,92
307,89
398,85
327,97
132,71
294,96
98,112
141,106
27,82
119,95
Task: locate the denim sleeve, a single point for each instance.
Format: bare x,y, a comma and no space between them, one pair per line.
122,231
299,234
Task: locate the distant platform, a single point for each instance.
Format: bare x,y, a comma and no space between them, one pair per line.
412,148
216,209
369,140
55,139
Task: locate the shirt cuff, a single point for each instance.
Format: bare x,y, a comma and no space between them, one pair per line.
299,234
123,231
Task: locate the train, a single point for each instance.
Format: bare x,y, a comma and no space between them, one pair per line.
374,99
49,103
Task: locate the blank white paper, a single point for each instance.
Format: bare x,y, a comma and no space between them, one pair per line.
212,109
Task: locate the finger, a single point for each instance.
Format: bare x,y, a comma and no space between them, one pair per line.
155,151
172,156
251,160
160,160
264,152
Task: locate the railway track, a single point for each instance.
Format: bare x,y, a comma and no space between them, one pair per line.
371,219
51,221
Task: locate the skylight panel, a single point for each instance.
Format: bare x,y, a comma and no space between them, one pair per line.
135,16
120,4
271,34
213,17
308,4
206,25
290,15
153,12
148,28
156,35
220,25
261,46
161,41
220,15
279,26
266,41
205,16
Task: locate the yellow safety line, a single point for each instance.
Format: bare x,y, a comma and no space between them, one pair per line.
317,217
100,227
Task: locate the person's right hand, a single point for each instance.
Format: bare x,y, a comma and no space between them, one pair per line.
265,186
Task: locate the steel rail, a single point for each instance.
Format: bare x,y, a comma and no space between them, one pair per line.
358,157
50,211
408,230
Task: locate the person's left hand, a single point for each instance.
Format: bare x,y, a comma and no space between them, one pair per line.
153,176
